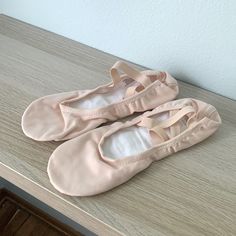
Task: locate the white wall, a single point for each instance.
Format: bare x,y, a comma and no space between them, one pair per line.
193,39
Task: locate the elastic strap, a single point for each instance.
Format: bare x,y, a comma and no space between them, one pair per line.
122,67
172,120
158,127
160,132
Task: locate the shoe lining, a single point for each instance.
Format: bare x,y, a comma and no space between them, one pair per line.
99,100
130,141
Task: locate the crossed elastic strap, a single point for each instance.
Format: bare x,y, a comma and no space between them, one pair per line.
158,127
119,69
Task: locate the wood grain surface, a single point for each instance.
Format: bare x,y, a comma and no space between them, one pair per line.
192,192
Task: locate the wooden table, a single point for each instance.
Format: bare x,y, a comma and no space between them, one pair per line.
190,193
